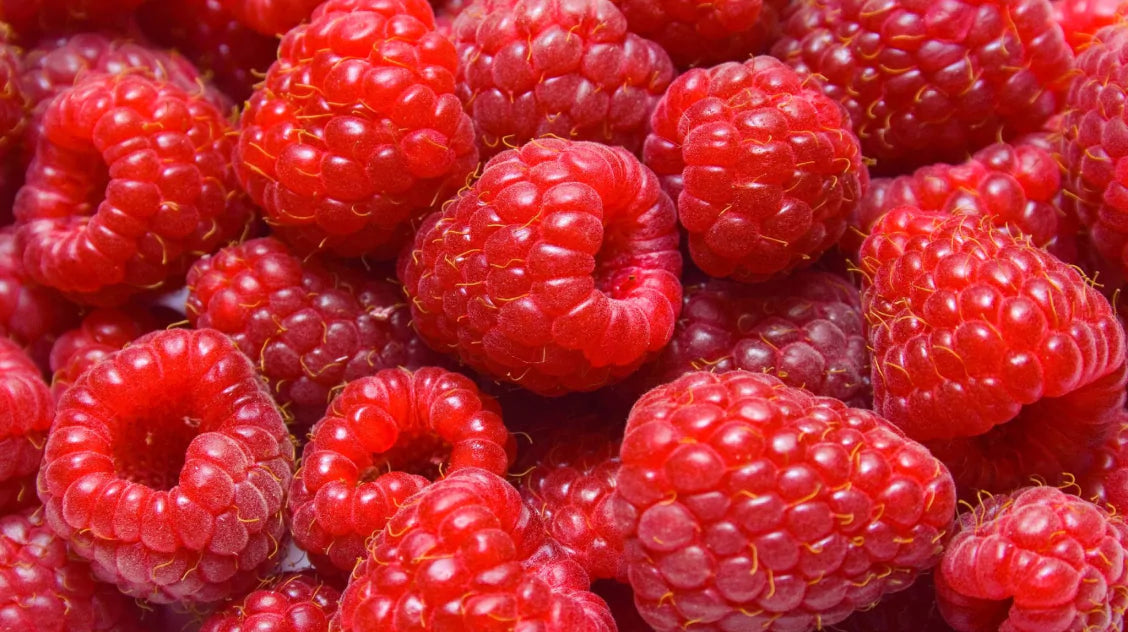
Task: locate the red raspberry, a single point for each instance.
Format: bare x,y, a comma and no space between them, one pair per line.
30,314
534,68
384,438
271,17
911,609
1081,19
43,589
26,412
309,327
697,33
750,504
207,33
929,82
765,171
467,554
1035,560
1001,358
102,332
356,131
32,18
131,181
1106,482
166,468
294,602
558,270
13,119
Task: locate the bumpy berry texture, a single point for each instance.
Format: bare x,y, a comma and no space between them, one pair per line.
467,554
131,181
271,17
308,327
557,270
929,82
532,68
967,317
102,332
45,589
356,131
696,33
13,119
1035,560
26,412
30,314
294,602
765,171
1081,19
750,504
384,438
167,467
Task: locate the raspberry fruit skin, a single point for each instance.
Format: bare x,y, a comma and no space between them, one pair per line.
356,131
557,270
271,17
309,327
167,467
131,181
1003,360
44,589
102,332
1035,560
467,554
534,68
928,82
1081,19
750,504
13,119
385,438
293,602
30,314
765,171
26,412
1106,481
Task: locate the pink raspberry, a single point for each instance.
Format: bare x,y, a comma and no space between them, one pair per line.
26,412
1081,19
294,602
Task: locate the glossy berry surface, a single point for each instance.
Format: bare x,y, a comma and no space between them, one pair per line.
292,602
557,270
271,17
750,504
1081,19
167,468
26,412
764,169
103,331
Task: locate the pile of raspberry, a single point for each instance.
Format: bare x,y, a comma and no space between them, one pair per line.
563,316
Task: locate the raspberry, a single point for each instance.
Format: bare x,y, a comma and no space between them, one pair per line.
130,182
32,18
557,270
999,357
1106,482
101,333
271,17
356,131
1081,19
696,33
467,554
1032,561
929,82
534,68
166,468
26,412
13,119
208,34
750,504
765,171
294,602
30,314
911,609
309,327
43,589
384,438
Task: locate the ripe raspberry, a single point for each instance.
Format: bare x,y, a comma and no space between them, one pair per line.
101,333
308,327
929,82
697,33
208,34
131,181
1106,481
271,17
1081,19
30,314
166,468
294,602
26,412
467,554
356,131
911,609
1035,560
534,68
558,270
33,18
750,504
13,119
764,170
44,589
999,357
384,438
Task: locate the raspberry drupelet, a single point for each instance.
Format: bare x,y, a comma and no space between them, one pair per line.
356,131
30,314
167,468
102,332
26,412
750,504
271,17
293,602
1003,360
1035,560
564,68
765,170
384,438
